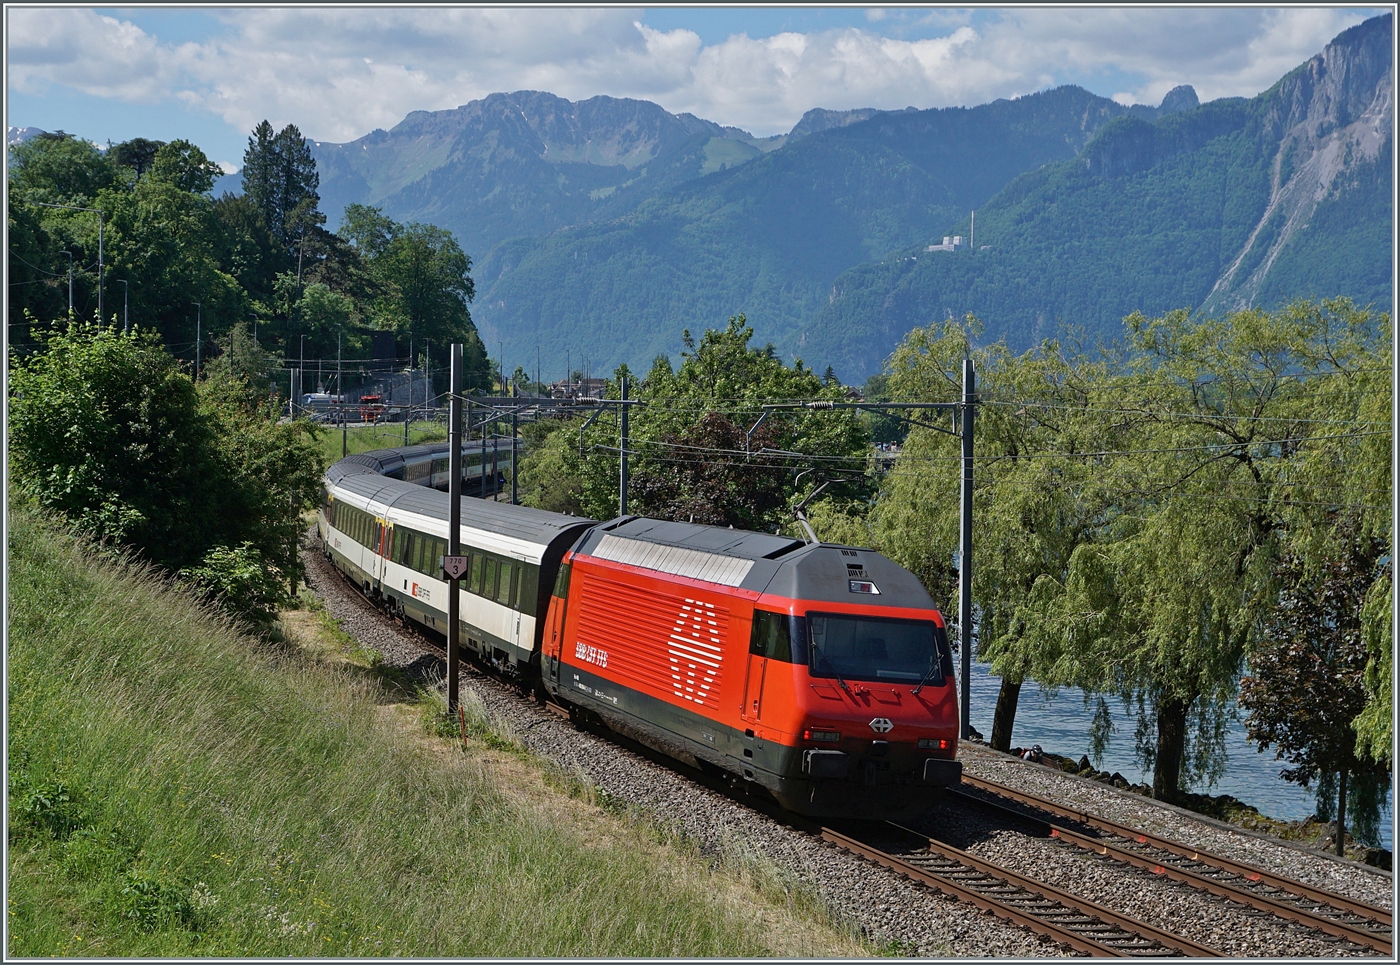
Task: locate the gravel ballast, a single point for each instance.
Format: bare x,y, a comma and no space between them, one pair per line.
889,909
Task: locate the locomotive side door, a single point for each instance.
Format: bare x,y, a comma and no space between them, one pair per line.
752,709
552,640
769,640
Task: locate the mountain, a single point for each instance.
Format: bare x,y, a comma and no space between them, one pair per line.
18,135
525,163
769,236
1239,202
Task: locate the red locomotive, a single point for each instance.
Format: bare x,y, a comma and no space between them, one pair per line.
819,672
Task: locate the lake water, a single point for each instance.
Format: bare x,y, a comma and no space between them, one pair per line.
1061,724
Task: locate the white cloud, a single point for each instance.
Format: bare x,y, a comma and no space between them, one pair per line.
228,167
341,72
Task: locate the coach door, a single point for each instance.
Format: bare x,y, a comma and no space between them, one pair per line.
385,533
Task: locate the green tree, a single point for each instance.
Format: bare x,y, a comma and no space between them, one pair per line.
423,285
279,175
242,370
165,241
696,451
184,165
1165,602
108,430
138,154
59,168
1307,685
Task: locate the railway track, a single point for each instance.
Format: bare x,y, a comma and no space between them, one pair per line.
1070,920
1332,914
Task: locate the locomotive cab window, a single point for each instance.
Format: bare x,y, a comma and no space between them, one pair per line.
771,637
875,648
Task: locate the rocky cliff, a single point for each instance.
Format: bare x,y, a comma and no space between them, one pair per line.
1330,117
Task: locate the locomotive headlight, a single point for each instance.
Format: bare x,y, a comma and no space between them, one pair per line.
933,743
821,735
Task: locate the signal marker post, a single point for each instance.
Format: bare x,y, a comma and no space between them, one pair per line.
454,526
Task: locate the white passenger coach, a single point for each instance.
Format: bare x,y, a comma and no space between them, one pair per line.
383,524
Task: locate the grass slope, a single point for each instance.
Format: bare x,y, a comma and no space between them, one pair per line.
177,788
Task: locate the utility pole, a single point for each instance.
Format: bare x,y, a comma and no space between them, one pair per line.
972,234
70,281
622,481
126,290
408,412
101,265
255,327
454,522
301,371
340,393
969,401
198,336
514,448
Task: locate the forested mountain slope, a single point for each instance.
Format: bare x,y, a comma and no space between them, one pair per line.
768,237
1237,202
525,163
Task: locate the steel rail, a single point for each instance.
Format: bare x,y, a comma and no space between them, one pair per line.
1051,896
1249,872
1222,889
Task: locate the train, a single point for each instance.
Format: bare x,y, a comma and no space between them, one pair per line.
817,674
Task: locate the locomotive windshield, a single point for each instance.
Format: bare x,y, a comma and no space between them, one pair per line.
875,648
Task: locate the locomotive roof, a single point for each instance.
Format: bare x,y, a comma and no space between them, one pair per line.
359,476
762,562
722,541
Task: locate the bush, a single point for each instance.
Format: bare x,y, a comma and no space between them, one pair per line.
241,581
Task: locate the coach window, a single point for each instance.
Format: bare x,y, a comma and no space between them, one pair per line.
525,597
488,583
503,590
771,636
478,565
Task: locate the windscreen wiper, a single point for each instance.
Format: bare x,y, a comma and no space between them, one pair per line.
933,664
830,666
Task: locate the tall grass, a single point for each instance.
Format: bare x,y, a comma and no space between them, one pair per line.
177,788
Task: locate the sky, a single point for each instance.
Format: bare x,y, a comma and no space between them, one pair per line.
209,74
